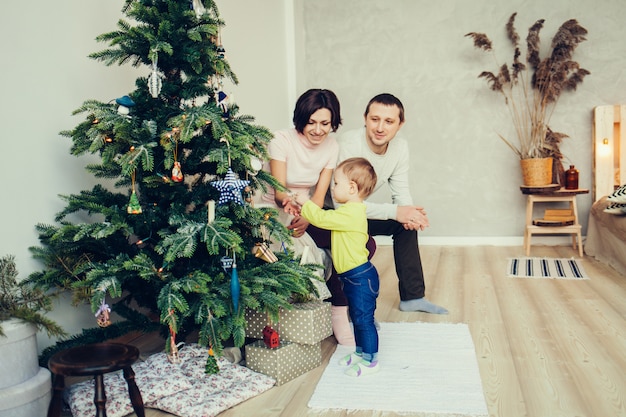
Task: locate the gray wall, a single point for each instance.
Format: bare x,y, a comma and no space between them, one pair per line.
45,76
465,177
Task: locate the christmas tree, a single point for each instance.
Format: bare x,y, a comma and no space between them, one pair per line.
177,244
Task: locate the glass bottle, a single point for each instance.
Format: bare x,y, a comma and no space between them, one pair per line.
571,178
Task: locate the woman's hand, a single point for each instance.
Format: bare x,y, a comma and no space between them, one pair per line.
298,226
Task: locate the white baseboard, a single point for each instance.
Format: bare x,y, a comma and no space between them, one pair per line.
480,240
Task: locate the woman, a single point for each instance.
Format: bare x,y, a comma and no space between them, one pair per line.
303,159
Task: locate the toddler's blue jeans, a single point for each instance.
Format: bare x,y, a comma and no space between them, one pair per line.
361,286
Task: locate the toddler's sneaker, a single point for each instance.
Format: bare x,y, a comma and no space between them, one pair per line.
350,359
363,368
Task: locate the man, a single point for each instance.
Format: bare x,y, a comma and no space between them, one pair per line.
389,154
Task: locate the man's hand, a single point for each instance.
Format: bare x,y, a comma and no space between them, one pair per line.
412,217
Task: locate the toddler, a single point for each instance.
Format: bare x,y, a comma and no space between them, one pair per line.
353,181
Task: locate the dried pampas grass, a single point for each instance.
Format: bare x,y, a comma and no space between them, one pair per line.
532,88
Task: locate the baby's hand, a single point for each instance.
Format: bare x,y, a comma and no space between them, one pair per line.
291,206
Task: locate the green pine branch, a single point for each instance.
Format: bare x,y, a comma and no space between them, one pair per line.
21,300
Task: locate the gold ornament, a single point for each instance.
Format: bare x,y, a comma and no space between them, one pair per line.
262,251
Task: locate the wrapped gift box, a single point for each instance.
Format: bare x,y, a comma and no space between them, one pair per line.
285,362
307,323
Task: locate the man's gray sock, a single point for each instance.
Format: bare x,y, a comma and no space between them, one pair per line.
422,304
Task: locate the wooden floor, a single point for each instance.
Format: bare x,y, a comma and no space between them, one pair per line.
545,348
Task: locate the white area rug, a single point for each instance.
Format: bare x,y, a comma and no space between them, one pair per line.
427,369
557,268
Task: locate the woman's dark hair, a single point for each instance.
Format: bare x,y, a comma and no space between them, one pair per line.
310,102
386,99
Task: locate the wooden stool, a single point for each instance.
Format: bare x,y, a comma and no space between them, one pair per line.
559,196
97,360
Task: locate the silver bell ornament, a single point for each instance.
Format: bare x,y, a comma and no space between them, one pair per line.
154,81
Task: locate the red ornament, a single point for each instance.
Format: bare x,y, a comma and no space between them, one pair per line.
270,337
177,173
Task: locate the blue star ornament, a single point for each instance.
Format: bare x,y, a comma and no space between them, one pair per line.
230,188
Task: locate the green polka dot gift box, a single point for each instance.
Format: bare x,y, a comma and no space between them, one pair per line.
285,362
306,323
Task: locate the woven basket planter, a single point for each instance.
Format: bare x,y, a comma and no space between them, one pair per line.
536,171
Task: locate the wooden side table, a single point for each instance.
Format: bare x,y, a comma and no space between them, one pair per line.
95,360
561,195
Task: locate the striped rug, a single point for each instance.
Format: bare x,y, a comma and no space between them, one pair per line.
556,268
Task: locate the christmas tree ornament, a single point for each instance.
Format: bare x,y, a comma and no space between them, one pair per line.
124,105
177,173
227,263
247,192
230,188
221,52
256,164
221,100
234,285
198,7
216,84
210,211
211,366
103,315
262,251
154,79
133,204
271,338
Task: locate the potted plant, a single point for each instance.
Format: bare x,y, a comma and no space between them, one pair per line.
24,385
20,300
532,87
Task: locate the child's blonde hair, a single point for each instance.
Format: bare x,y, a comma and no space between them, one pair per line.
361,172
